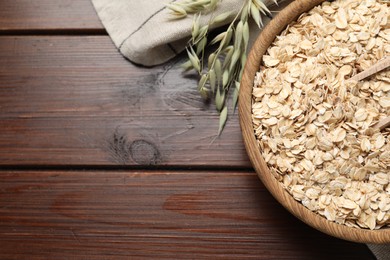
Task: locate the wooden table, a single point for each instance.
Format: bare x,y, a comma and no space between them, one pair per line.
101,159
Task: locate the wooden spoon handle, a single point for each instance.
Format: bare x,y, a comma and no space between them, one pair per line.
380,65
384,123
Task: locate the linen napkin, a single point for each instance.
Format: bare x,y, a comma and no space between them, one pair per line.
144,31
145,34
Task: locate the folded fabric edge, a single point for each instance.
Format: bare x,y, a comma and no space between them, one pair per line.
381,252
154,55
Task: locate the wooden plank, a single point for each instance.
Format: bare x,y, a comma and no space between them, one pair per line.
76,101
175,214
20,15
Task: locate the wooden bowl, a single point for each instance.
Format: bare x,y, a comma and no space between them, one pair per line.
267,36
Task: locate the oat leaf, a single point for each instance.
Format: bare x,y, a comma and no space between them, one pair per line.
194,59
245,33
221,18
213,80
262,7
229,53
238,35
202,81
243,61
235,57
222,119
236,92
255,14
211,60
219,99
202,33
200,46
246,11
218,38
186,66
177,10
195,27
225,78
218,69
225,41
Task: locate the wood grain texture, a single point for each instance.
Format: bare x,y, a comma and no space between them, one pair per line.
22,15
76,101
164,214
285,17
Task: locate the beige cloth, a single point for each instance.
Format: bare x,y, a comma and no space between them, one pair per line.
143,33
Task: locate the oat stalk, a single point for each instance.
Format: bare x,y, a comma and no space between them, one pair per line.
221,71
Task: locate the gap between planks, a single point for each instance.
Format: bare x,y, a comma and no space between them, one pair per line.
55,32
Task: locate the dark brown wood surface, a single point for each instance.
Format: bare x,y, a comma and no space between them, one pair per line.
172,214
80,128
32,15
69,100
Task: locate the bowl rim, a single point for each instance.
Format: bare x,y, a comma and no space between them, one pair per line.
264,40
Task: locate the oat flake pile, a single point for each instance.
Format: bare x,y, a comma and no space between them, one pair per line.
314,128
